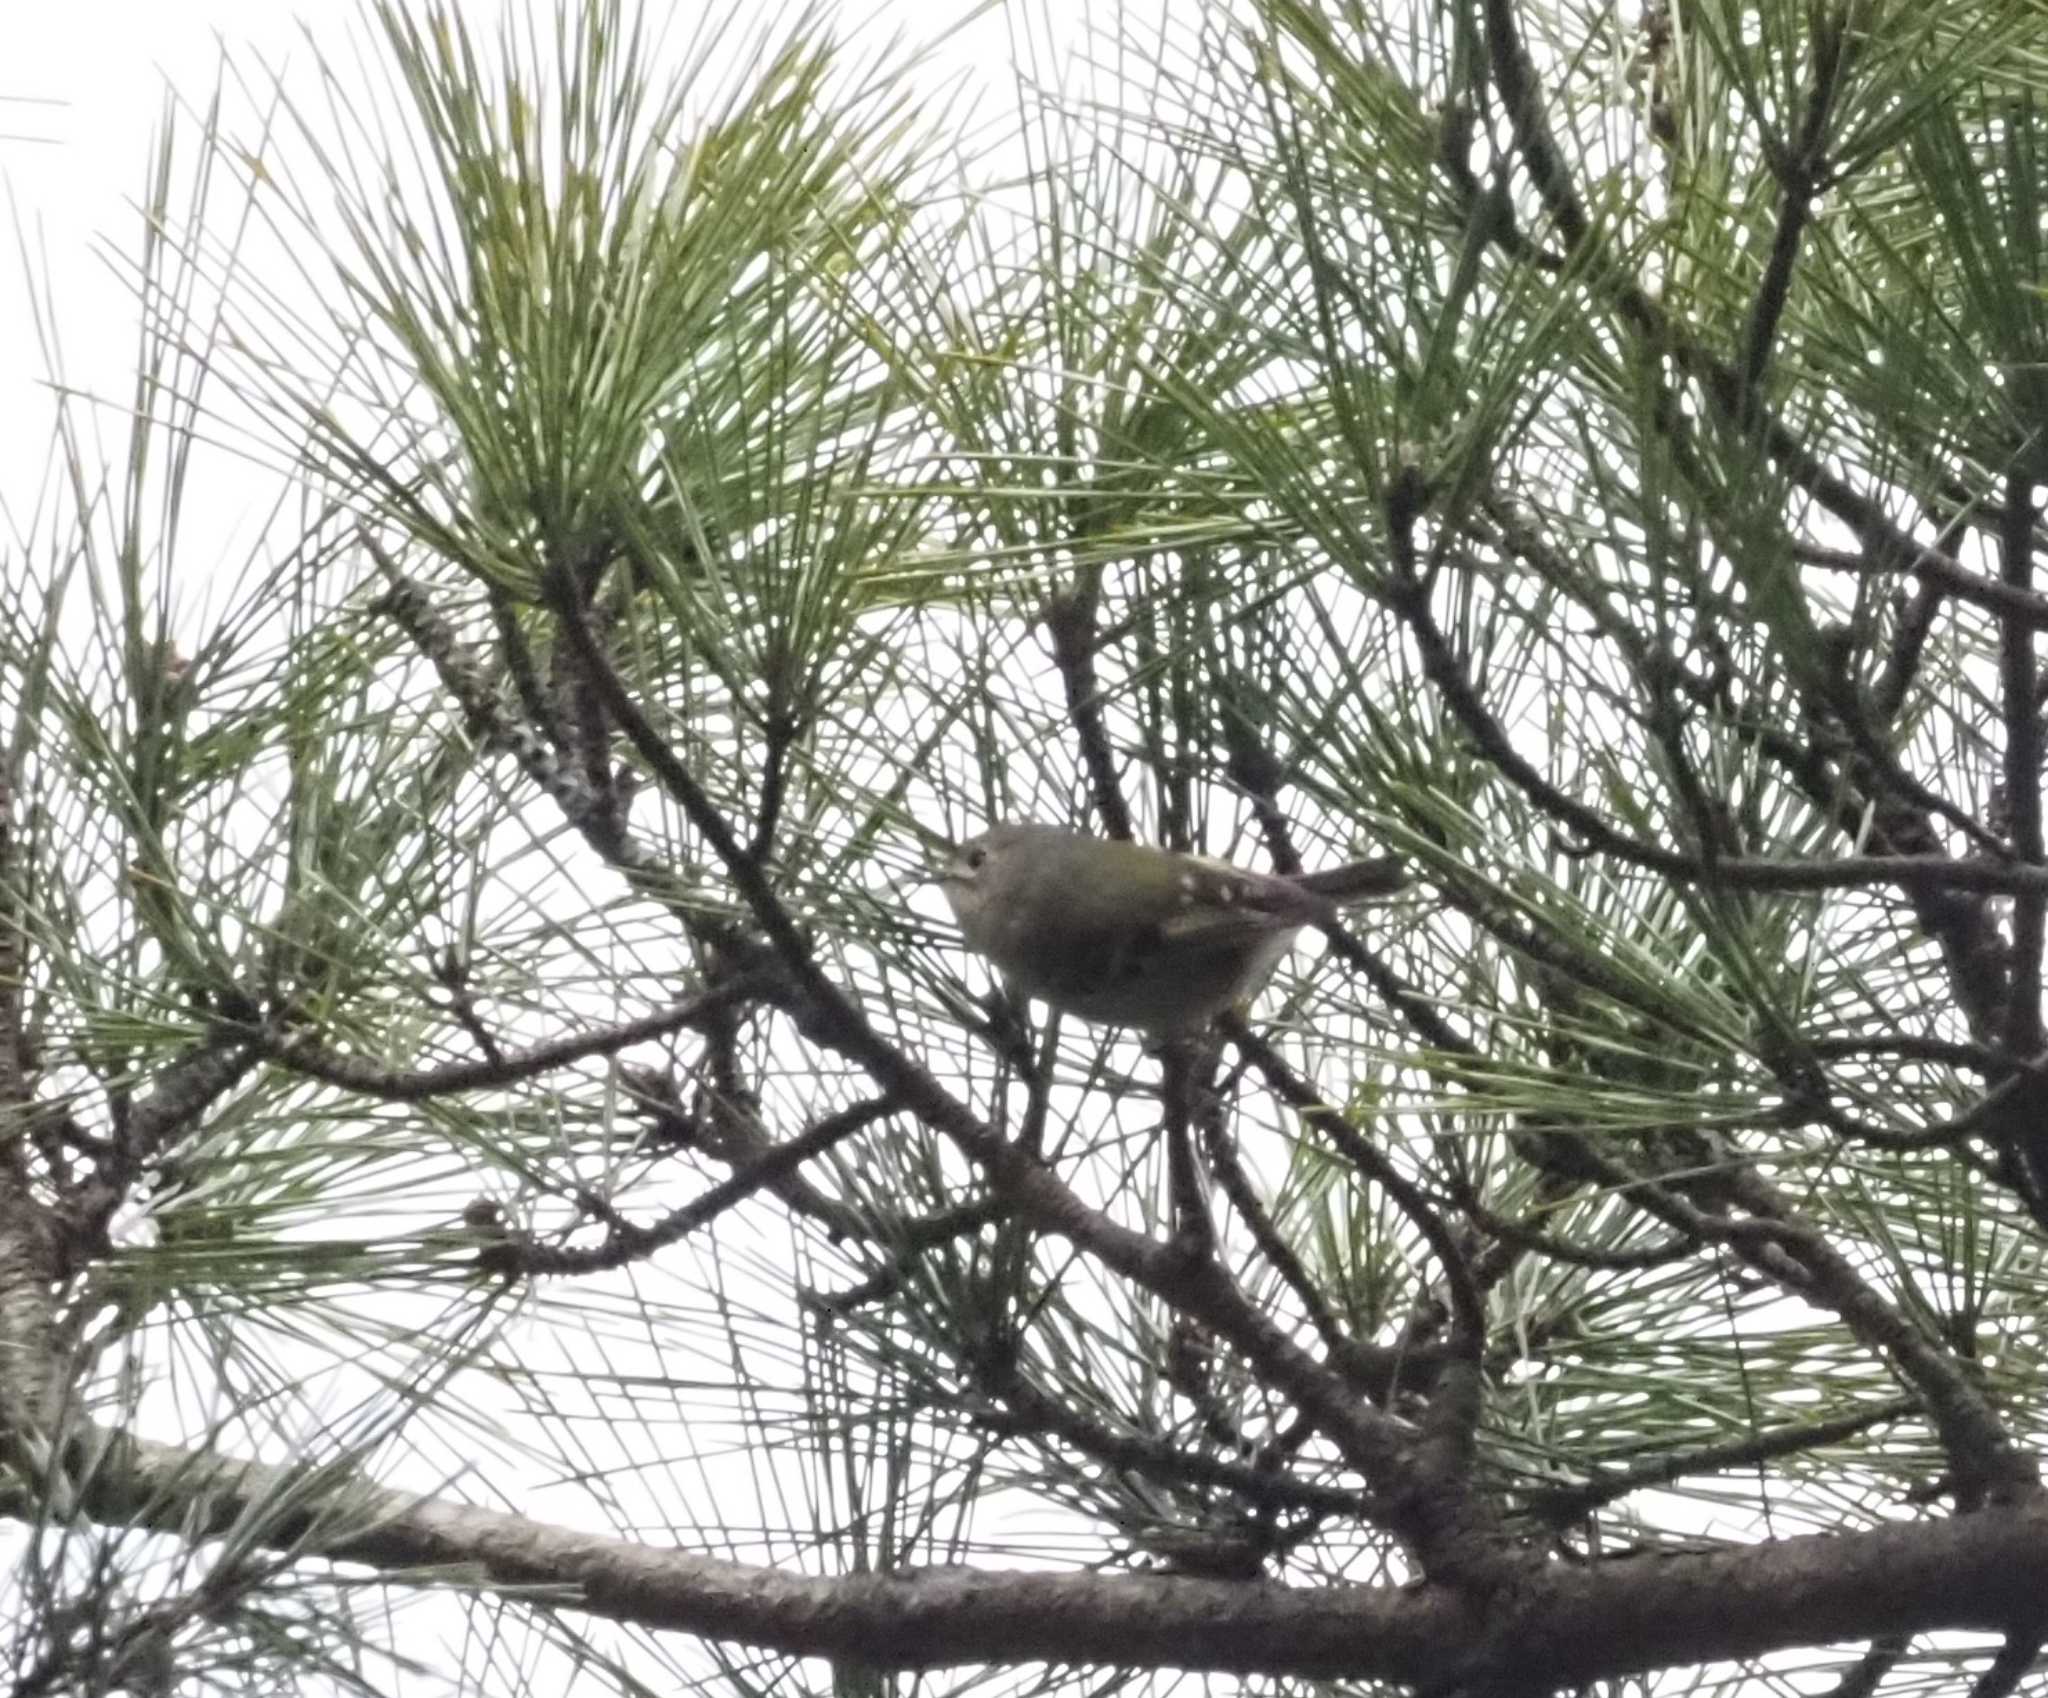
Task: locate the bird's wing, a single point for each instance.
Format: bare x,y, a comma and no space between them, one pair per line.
1223,904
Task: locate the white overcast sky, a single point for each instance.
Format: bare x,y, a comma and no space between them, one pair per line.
84,85
82,89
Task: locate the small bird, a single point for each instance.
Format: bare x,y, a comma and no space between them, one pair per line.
1126,935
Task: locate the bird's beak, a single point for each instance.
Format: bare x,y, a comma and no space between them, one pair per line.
918,877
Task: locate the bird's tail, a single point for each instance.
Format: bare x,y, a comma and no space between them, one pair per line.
1357,881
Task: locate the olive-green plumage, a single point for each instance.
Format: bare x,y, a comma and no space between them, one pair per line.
1127,935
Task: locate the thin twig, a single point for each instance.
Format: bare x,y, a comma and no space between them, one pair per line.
301,1054
1560,1504
1070,617
625,1243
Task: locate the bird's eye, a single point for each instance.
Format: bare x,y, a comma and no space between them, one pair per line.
977,857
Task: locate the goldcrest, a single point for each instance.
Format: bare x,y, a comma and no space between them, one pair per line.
1127,935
